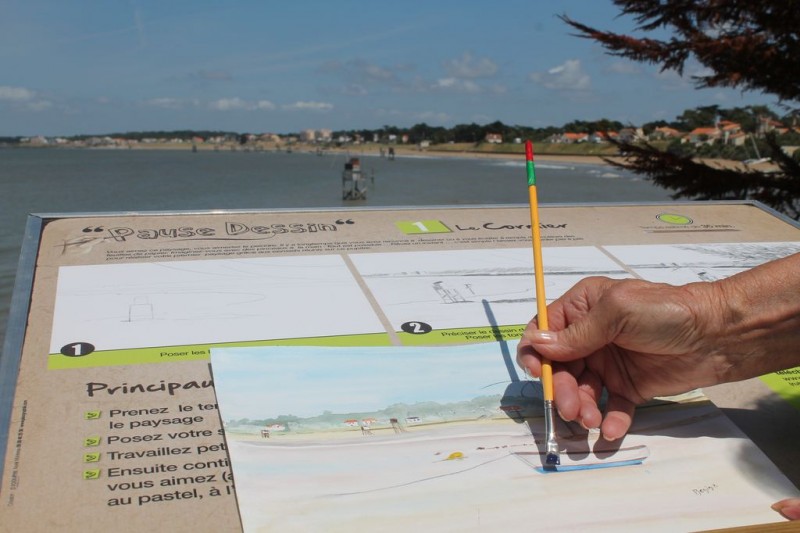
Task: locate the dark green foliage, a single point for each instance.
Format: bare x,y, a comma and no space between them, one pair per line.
743,44
690,178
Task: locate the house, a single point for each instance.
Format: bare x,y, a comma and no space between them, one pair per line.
576,137
728,126
269,137
494,138
704,135
568,138
737,139
602,136
665,133
728,129
766,125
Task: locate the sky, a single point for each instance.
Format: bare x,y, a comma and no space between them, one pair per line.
267,382
70,67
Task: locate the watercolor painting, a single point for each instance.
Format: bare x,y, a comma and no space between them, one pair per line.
450,438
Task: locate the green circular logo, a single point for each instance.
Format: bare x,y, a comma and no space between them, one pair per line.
672,218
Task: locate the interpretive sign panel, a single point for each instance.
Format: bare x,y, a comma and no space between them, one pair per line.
111,420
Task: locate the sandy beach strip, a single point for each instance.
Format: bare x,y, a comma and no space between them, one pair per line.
372,149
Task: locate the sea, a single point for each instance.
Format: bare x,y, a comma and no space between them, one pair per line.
53,180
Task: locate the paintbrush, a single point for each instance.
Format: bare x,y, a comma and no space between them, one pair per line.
552,458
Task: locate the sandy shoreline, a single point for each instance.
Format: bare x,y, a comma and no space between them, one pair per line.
413,151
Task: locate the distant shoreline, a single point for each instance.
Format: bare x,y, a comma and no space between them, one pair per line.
401,151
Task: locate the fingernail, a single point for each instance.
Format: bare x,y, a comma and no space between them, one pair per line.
543,336
607,437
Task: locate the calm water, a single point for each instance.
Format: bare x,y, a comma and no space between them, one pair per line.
68,181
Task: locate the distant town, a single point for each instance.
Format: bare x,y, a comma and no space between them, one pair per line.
707,131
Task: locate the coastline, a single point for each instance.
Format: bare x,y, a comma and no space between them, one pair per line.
373,150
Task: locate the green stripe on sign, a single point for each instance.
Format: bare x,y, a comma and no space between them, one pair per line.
422,226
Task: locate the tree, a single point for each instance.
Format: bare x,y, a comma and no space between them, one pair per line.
754,46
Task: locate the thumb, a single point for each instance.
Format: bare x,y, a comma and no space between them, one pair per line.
789,508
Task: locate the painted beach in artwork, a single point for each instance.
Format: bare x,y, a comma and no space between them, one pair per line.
446,438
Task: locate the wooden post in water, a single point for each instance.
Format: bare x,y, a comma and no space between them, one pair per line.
354,186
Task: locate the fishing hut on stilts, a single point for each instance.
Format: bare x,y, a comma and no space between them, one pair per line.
354,185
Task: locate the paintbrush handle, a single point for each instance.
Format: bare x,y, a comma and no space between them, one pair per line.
541,299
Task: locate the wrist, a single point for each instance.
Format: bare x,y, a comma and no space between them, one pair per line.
757,328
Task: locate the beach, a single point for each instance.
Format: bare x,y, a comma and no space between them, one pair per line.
479,475
436,151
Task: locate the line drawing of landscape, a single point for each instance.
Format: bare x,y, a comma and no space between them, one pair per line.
208,301
468,470
678,264
445,288
120,306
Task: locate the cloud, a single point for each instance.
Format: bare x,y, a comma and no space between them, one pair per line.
238,104
365,75
376,73
568,76
23,98
228,104
619,67
457,85
39,105
165,103
308,106
15,94
468,67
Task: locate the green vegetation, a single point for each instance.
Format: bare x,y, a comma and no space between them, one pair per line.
752,46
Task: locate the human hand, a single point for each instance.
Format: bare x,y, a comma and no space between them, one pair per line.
636,339
789,508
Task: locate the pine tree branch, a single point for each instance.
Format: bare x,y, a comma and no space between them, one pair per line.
695,180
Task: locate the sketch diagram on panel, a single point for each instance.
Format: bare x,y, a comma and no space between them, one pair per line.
447,294
424,286
174,303
678,264
140,309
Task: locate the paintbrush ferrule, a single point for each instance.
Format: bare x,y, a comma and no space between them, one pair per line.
552,458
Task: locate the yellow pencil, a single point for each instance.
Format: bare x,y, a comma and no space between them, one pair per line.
552,457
